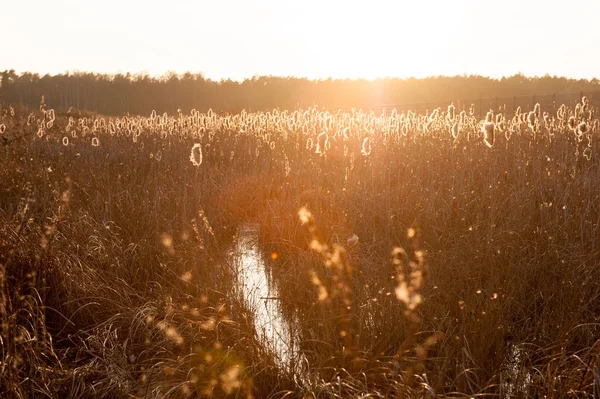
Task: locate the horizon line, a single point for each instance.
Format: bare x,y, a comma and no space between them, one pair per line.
167,74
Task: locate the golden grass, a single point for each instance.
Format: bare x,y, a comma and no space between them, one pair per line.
464,238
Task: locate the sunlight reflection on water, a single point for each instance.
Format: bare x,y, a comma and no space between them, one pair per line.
258,291
517,378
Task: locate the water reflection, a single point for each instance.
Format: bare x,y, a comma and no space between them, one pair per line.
517,378
255,286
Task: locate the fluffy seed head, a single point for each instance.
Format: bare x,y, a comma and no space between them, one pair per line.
451,110
196,155
531,117
366,147
322,141
488,133
455,130
572,123
537,110
309,144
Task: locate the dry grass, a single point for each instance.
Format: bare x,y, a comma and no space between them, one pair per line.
115,280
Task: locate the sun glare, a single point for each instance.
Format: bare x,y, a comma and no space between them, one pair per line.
232,39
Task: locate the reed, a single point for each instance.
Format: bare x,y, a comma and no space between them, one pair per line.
428,247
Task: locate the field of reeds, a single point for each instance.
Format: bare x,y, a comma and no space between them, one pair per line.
418,255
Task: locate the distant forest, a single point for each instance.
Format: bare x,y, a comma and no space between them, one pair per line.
140,94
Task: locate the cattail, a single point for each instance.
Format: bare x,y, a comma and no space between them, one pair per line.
537,110
488,133
65,141
560,113
427,126
366,147
472,110
523,118
489,118
502,126
582,128
309,144
196,155
322,141
531,118
455,130
587,153
451,110
584,104
572,123
2,128
546,118
434,114
404,129
95,142
346,133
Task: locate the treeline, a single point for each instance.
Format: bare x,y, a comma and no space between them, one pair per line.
141,93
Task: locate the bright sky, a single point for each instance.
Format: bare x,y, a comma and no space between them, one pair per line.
312,38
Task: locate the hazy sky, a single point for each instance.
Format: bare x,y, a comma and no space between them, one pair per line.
313,38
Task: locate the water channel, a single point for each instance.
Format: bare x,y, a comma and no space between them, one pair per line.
257,289
280,334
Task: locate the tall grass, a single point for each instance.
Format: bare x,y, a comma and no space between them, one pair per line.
468,238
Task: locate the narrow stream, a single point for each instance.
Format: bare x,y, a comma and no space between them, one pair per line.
280,335
518,379
255,286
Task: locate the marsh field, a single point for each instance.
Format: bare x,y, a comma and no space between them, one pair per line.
306,253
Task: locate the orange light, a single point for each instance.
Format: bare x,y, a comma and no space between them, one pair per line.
274,255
